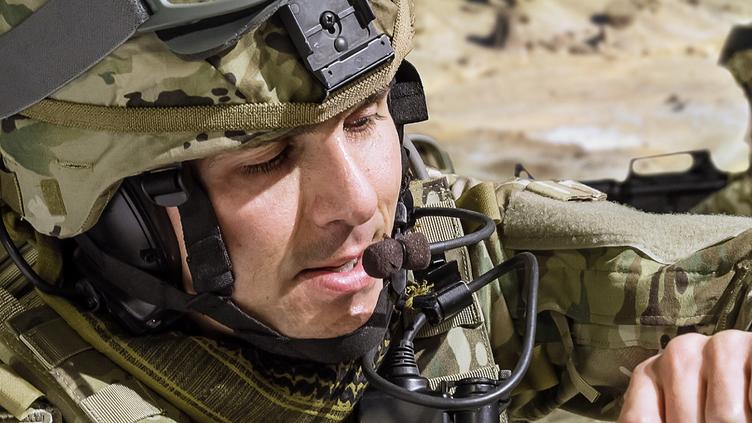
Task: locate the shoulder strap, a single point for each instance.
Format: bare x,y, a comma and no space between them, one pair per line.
465,349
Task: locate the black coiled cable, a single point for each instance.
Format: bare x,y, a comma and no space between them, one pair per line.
529,264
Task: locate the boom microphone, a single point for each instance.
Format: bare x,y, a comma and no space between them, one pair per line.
384,258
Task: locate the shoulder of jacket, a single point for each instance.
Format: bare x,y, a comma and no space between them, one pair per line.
562,190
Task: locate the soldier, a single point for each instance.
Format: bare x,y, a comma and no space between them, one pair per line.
196,203
736,198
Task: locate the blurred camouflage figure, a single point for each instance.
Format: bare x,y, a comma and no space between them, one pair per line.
122,327
736,198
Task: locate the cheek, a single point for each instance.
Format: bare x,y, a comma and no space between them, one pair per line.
256,227
384,162
256,234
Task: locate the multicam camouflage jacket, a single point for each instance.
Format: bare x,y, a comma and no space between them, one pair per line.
616,286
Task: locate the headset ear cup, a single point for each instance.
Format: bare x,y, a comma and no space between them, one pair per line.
139,233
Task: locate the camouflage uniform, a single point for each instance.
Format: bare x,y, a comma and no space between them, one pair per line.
616,284
609,299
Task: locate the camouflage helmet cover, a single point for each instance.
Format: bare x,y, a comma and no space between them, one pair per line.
143,108
737,56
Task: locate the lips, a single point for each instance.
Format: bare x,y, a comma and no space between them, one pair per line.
349,277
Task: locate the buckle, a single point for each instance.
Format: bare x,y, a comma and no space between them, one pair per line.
168,187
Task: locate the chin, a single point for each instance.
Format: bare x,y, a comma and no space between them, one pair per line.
346,326
358,314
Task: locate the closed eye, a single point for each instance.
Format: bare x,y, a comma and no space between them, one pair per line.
267,166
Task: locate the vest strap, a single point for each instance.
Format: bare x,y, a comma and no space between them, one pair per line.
566,339
42,347
490,372
118,404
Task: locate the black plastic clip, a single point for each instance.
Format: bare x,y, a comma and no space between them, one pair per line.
444,303
168,187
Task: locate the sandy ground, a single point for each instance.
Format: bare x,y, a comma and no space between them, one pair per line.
568,105
581,86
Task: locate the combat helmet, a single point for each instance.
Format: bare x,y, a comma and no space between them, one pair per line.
736,56
102,103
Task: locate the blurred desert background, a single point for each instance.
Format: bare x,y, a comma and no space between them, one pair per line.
576,88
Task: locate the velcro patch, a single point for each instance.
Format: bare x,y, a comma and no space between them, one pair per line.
534,222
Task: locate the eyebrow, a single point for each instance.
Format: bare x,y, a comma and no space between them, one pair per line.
373,98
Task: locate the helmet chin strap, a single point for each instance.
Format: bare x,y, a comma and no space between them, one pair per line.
207,256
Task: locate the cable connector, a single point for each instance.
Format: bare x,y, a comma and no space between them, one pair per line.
444,303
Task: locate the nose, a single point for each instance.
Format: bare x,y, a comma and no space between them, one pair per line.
341,187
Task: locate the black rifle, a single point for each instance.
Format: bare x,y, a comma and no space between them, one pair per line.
668,191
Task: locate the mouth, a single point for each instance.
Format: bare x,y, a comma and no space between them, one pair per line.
346,278
344,268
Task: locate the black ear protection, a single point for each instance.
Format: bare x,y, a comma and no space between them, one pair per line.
136,231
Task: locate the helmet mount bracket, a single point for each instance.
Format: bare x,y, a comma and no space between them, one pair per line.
336,39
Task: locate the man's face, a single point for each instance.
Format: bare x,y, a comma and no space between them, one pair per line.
297,214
